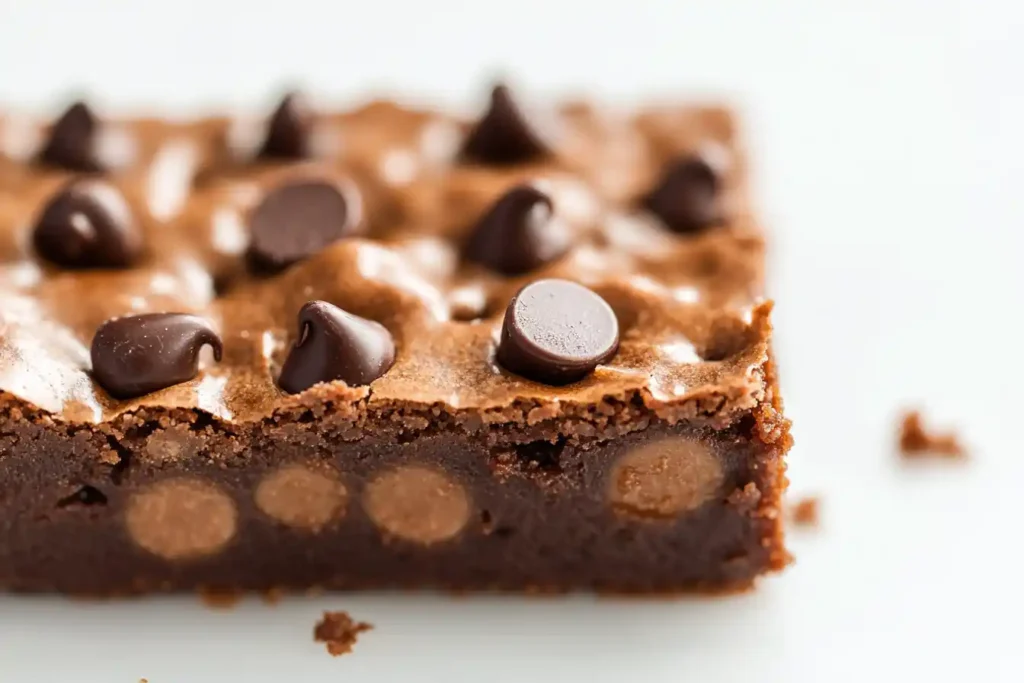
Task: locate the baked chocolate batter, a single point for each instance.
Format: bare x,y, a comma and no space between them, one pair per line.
289,352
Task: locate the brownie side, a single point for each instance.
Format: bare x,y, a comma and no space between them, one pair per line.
618,499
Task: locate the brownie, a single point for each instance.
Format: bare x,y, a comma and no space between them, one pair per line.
525,349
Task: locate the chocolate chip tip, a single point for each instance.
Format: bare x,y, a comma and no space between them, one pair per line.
518,233
71,141
688,197
289,128
334,344
505,134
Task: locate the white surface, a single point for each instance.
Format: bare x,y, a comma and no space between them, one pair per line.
888,142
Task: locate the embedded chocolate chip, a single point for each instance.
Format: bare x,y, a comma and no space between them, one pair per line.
556,332
688,196
504,135
289,129
518,234
334,344
88,224
86,496
139,354
298,219
72,141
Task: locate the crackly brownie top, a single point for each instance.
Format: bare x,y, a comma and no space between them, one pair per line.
377,249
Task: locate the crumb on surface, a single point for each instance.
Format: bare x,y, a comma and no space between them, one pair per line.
220,598
806,511
916,441
272,596
339,632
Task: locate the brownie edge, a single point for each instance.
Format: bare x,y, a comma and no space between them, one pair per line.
627,503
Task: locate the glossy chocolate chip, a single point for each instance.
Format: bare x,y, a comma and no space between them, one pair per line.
289,129
556,332
334,344
88,224
504,135
518,234
139,354
298,219
71,143
688,196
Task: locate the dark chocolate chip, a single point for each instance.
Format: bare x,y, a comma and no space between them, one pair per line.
556,332
504,135
139,354
298,219
519,233
86,496
688,196
289,129
334,344
88,224
72,141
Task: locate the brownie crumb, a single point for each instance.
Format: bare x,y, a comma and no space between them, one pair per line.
272,596
806,511
339,632
220,598
916,441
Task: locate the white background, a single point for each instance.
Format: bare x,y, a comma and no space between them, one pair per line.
889,166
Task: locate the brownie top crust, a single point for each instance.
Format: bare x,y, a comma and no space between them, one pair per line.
413,229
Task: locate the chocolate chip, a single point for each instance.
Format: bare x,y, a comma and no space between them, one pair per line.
298,219
289,129
504,135
688,197
334,344
519,233
556,332
72,141
86,496
139,354
88,224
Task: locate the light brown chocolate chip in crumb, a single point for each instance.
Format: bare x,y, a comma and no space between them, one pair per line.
417,504
181,519
302,497
171,445
664,479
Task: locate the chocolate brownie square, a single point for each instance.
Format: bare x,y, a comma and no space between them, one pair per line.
385,347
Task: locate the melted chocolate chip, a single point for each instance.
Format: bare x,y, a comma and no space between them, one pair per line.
88,224
556,332
334,344
688,197
298,219
518,234
139,354
504,135
289,129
